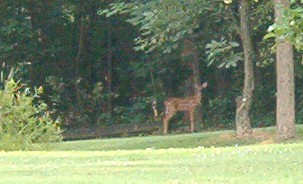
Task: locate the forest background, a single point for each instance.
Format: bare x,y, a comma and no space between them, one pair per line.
103,67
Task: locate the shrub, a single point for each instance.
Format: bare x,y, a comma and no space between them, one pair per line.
220,112
25,123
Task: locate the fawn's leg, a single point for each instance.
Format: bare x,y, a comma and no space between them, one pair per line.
169,112
192,121
166,119
165,125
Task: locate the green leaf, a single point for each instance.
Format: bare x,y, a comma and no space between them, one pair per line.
269,35
234,44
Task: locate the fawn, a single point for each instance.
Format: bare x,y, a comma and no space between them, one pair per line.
173,105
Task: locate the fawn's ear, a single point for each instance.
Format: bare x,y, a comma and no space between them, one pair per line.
204,85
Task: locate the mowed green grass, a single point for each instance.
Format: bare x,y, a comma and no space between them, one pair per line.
161,159
205,139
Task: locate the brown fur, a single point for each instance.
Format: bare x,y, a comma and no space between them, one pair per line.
173,105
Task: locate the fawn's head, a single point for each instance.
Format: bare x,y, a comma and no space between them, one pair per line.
199,88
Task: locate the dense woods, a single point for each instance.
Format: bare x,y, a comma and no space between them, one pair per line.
104,63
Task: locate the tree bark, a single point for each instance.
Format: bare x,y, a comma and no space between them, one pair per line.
109,70
190,50
285,110
36,12
243,123
78,63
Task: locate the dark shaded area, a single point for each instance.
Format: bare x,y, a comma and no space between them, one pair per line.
96,83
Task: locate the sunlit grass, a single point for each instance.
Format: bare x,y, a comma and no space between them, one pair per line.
206,139
247,164
150,160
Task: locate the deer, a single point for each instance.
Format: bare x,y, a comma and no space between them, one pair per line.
189,104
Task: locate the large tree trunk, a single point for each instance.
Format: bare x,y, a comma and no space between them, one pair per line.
190,51
285,82
244,102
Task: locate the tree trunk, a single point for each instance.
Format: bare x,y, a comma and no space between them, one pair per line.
190,50
36,12
77,64
244,102
188,91
109,70
285,82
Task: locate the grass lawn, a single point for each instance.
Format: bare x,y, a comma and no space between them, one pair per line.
161,159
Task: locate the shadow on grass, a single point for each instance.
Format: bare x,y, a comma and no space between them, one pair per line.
202,139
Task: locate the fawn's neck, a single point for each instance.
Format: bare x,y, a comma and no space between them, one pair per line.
198,96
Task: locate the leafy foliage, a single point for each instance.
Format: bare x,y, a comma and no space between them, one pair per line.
162,23
218,112
92,76
25,123
290,27
223,52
